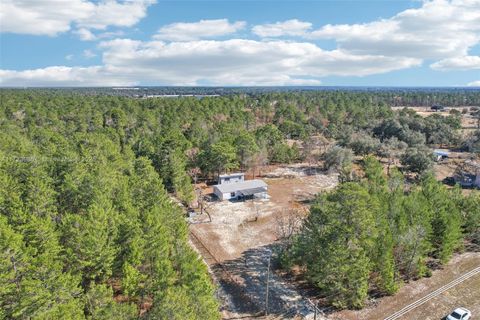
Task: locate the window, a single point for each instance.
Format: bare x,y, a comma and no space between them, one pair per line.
227,180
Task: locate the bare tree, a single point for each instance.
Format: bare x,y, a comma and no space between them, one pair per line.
259,160
193,173
288,223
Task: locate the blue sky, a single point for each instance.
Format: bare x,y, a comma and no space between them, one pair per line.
148,42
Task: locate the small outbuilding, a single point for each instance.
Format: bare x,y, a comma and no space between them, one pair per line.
437,107
241,190
468,175
440,155
231,178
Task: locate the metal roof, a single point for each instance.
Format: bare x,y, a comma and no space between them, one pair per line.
241,186
252,191
441,153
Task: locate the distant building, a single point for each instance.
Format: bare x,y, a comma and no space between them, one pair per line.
468,175
437,107
440,155
231,178
233,186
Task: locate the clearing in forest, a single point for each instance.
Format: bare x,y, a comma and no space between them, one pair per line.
240,236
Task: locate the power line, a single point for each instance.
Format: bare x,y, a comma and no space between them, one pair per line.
433,294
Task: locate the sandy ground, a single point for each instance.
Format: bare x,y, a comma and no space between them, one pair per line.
466,294
240,225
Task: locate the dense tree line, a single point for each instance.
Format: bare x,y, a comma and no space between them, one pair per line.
87,229
392,96
369,235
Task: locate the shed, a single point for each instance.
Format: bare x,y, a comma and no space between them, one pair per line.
437,107
440,155
241,190
231,178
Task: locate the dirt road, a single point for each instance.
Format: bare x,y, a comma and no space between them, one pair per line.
434,306
434,294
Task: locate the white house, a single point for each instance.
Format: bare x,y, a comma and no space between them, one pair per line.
440,154
241,189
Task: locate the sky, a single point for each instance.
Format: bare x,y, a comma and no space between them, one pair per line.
239,43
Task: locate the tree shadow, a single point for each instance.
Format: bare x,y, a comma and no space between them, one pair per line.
245,280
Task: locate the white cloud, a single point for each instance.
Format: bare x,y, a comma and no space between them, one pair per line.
113,13
236,60
474,84
51,17
87,53
63,76
441,32
85,34
292,27
69,57
229,62
110,34
41,17
457,63
188,31
440,29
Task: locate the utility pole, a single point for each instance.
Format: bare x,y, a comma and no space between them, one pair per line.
268,281
315,309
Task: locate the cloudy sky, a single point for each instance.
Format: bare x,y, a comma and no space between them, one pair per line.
245,42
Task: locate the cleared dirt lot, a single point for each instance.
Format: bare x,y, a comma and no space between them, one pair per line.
238,243
241,225
466,294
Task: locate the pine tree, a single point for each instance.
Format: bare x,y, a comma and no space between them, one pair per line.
99,305
89,241
336,242
445,218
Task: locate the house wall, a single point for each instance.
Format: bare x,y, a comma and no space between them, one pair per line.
220,195
217,193
262,195
227,196
236,194
233,179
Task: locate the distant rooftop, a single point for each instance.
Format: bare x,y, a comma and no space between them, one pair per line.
231,175
441,152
